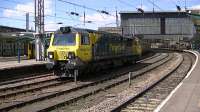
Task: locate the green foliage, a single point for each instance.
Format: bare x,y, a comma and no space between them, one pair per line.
196,41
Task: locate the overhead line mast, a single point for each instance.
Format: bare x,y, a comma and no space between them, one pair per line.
39,30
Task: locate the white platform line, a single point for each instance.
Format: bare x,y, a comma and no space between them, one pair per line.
180,84
197,58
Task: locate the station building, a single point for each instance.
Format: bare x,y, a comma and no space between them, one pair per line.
168,27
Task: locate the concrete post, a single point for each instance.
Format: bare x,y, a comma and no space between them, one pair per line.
129,79
75,75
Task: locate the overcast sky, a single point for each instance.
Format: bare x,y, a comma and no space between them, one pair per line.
12,12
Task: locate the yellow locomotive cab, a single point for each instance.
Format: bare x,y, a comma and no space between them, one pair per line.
61,45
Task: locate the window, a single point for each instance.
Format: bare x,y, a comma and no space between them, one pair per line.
64,39
85,39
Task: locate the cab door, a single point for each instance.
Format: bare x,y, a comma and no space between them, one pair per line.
85,48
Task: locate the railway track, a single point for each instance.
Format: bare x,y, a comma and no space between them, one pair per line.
60,91
32,84
14,94
149,100
140,84
27,83
25,79
150,97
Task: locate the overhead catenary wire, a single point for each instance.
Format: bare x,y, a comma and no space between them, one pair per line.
13,1
173,2
2,17
178,7
85,7
88,8
23,20
16,19
55,15
155,5
82,6
64,18
21,3
75,4
33,13
16,10
138,9
125,3
70,13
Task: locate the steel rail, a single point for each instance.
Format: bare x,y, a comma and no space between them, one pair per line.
25,79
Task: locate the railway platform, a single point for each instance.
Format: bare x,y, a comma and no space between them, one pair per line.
11,69
11,63
186,96
12,58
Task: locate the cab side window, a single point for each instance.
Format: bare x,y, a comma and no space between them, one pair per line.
85,39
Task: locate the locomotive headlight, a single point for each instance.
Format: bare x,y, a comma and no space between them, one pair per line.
71,55
50,55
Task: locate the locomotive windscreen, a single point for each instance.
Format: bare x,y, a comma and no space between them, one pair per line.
64,39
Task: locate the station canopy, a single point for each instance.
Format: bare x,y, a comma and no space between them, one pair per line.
21,36
14,36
